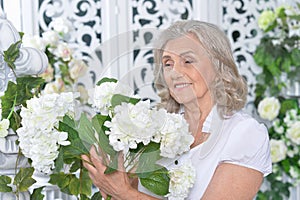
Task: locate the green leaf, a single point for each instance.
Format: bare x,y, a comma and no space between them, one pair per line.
69,121
96,196
60,179
74,186
37,194
103,141
86,132
148,159
105,79
85,183
84,197
11,54
73,151
4,181
157,181
295,56
16,95
23,179
76,148
99,120
117,99
76,165
288,104
59,161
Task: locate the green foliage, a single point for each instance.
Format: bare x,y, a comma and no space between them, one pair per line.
278,55
105,79
156,181
37,194
17,94
12,53
23,179
96,196
117,99
70,184
4,182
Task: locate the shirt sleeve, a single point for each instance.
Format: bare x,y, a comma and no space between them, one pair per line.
248,146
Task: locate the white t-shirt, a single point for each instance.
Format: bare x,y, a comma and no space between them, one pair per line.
239,140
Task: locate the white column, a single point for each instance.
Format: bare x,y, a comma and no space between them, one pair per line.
12,9
23,14
208,10
29,16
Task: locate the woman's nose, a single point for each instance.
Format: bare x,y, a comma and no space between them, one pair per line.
177,70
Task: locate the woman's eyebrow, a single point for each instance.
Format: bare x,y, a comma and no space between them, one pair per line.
190,52
166,57
186,53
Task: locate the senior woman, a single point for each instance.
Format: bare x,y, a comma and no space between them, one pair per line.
195,75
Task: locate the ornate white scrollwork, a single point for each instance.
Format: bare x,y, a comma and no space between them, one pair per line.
87,23
239,20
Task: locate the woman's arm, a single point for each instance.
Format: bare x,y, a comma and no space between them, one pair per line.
116,184
232,181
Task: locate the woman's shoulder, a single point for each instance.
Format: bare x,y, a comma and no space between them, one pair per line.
244,121
247,143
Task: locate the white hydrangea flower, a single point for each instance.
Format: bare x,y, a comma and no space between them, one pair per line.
278,150
61,25
131,125
293,133
269,108
38,137
50,38
34,42
103,94
182,178
175,136
4,125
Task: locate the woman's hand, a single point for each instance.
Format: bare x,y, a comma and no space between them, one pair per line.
115,184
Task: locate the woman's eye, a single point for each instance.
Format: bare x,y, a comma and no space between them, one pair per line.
188,62
168,64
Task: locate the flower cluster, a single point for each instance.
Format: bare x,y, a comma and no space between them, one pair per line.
133,127
64,68
182,178
284,131
278,53
39,123
103,93
284,23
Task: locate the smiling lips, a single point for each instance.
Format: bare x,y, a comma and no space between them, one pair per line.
182,85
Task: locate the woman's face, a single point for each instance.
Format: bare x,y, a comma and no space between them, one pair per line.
187,69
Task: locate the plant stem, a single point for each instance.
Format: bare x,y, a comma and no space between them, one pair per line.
13,108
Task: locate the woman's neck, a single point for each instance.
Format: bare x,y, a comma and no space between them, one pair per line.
196,114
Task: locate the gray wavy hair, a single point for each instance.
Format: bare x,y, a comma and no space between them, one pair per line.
229,89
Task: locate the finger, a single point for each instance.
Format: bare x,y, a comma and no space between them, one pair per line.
85,158
121,161
97,162
104,196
